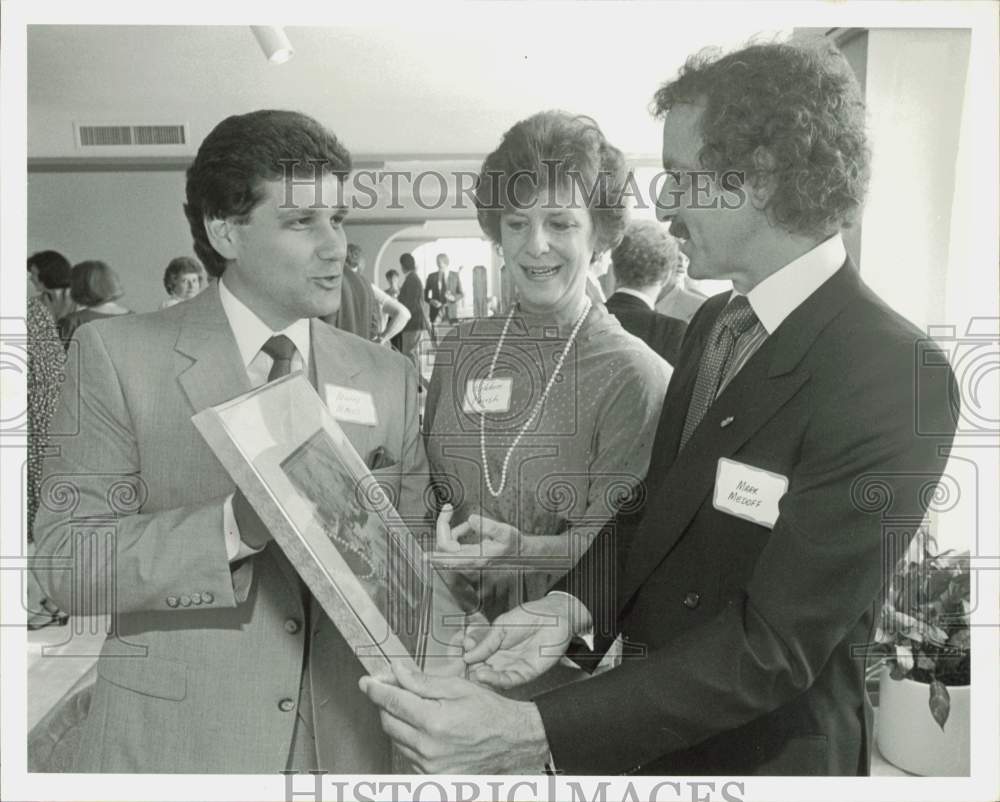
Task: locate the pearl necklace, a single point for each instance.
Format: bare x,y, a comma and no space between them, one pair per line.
534,412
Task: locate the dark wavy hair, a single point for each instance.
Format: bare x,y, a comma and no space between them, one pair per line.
801,103
646,255
93,283
53,269
555,146
240,154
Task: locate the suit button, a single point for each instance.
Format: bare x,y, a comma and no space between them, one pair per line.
185,601
172,601
692,600
196,598
286,705
292,626
207,597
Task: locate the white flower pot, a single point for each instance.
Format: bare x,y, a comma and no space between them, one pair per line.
908,735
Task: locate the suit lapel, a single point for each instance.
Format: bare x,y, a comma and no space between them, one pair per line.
336,362
770,378
214,372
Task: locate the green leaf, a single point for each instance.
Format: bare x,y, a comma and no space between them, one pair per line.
939,702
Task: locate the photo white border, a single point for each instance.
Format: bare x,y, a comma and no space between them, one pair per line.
981,17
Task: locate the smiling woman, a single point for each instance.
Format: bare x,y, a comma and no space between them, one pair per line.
540,424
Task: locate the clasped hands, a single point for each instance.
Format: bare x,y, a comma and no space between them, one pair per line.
449,725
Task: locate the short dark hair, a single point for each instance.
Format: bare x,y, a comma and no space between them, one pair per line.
802,104
391,274
646,255
53,269
241,153
568,148
94,282
354,253
407,262
179,266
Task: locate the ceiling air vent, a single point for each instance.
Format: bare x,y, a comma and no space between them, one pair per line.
130,136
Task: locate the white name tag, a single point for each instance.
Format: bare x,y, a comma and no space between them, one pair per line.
353,406
488,395
748,492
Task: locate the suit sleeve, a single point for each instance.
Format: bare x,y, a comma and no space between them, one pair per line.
817,576
97,550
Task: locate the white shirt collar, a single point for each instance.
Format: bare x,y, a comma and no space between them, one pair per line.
636,294
777,296
251,332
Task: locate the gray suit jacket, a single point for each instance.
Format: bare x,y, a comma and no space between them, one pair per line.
133,503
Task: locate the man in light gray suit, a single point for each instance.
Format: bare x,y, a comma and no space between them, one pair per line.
220,660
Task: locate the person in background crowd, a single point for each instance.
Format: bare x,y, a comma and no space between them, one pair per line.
756,570
575,399
443,292
411,295
392,283
96,288
50,273
46,363
644,262
359,310
676,299
182,280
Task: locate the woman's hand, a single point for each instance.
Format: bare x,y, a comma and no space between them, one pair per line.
490,541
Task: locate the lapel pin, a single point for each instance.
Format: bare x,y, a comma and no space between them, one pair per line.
726,421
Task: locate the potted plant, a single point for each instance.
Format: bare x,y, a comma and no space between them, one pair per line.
923,647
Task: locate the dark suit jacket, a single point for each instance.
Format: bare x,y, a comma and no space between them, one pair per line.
661,333
744,644
411,295
435,291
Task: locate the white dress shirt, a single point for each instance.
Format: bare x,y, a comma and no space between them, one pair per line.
251,334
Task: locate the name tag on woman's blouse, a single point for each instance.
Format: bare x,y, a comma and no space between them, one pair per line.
488,395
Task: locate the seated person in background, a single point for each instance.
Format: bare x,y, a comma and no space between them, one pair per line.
182,280
567,434
95,288
643,263
50,273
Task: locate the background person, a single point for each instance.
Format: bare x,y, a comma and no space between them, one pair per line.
182,280
643,263
567,435
49,272
411,295
95,288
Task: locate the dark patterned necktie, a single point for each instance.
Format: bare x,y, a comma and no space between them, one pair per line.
281,349
735,319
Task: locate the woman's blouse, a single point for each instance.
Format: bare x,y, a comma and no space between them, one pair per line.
578,461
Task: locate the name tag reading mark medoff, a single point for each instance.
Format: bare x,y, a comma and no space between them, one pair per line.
748,492
353,406
488,395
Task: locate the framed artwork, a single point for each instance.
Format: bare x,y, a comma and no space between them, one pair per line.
337,526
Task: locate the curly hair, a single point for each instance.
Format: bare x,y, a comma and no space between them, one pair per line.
555,147
801,103
240,154
646,255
